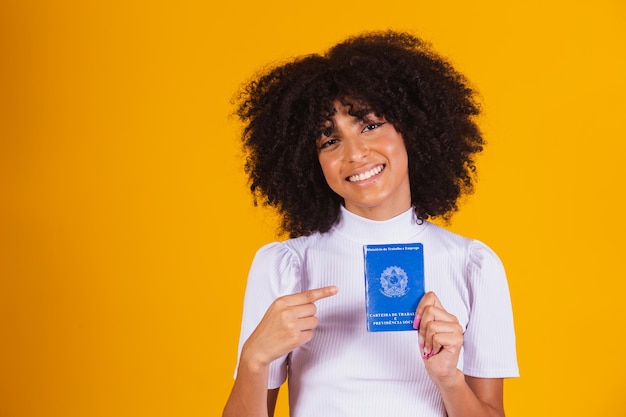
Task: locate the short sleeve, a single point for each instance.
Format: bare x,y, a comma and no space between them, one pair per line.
274,272
489,339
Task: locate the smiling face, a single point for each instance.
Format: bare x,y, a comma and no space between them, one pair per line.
364,160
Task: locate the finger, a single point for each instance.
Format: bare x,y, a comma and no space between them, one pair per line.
308,323
430,313
433,313
310,296
303,310
429,299
432,318
448,341
440,326
437,334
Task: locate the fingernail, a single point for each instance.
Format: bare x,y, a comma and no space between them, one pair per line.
416,322
420,340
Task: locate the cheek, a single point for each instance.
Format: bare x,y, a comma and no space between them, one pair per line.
399,153
329,169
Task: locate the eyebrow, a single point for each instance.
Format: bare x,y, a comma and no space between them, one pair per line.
328,130
361,113
359,116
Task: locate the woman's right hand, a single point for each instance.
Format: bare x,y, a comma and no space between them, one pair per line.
287,324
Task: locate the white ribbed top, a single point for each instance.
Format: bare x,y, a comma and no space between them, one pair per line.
347,371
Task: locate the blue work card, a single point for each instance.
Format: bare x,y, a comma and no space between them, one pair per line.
394,285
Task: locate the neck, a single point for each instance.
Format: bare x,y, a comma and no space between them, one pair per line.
378,213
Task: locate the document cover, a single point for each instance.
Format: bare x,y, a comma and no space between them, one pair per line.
394,284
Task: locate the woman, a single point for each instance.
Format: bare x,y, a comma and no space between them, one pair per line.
359,146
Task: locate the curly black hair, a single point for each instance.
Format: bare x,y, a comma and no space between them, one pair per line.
397,75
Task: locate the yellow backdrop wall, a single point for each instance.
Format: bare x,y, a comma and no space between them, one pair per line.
126,228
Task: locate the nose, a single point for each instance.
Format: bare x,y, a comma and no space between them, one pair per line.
355,148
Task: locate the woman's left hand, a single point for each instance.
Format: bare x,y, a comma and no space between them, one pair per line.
440,339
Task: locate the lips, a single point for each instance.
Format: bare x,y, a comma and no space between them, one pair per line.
367,174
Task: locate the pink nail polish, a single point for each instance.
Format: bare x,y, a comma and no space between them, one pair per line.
416,322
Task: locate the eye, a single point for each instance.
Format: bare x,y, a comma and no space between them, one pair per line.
328,143
371,126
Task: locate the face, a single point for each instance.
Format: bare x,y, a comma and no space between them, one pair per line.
364,160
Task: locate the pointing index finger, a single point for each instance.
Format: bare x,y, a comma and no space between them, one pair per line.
315,294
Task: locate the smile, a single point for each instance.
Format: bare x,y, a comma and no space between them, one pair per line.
367,174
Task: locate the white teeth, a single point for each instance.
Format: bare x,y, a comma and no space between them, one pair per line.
367,174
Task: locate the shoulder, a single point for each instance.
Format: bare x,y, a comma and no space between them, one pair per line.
277,266
284,255
449,242
476,254
482,258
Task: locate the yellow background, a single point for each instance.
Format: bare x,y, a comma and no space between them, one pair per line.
126,228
